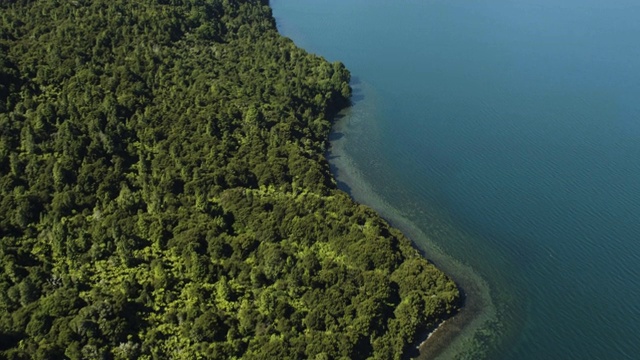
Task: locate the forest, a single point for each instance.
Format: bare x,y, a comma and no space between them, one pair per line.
164,194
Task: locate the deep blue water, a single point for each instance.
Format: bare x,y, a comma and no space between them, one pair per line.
507,131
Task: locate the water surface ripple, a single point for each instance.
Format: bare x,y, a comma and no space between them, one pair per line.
502,137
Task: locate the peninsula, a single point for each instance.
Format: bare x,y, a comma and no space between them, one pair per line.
165,194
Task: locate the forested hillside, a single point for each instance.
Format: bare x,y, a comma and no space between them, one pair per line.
164,193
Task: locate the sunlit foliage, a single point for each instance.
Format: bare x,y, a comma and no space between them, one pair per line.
165,194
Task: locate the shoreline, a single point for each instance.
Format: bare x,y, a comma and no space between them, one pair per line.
440,339
461,333
456,334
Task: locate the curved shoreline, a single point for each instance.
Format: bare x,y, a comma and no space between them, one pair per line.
456,335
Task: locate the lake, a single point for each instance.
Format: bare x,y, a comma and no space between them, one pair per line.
503,138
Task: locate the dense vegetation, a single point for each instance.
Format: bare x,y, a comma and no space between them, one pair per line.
165,194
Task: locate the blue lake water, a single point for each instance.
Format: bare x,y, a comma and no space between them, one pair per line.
507,134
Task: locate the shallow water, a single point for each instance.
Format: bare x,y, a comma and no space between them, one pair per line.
502,136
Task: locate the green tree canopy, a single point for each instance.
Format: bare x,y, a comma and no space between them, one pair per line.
165,193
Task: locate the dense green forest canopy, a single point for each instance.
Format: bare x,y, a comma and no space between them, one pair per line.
165,194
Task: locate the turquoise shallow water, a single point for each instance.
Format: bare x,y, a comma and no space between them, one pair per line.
507,133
